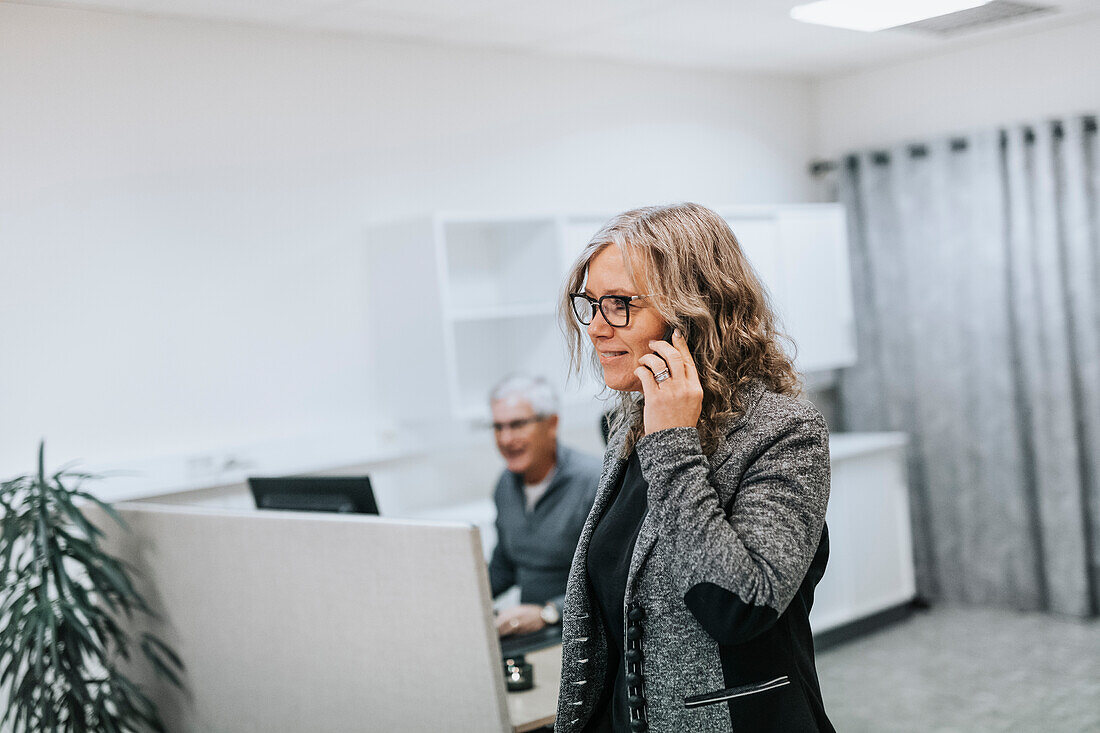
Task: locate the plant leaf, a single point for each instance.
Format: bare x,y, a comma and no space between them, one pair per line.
153,647
164,649
81,630
107,508
58,613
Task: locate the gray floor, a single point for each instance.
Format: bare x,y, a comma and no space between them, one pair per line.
955,669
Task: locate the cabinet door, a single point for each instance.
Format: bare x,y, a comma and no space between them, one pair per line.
817,295
406,333
870,565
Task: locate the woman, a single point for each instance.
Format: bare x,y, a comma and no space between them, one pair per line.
688,599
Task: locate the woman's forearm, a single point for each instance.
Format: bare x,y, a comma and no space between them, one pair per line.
738,573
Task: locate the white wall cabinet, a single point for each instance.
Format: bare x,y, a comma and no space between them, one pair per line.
458,301
801,254
871,548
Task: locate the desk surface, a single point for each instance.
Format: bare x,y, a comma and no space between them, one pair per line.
534,708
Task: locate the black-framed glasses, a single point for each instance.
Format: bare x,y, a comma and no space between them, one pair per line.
615,308
500,427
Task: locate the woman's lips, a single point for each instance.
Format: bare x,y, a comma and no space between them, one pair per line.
607,357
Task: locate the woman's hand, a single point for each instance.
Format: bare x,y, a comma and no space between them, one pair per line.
675,402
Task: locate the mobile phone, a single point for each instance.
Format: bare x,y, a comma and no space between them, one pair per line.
667,338
683,331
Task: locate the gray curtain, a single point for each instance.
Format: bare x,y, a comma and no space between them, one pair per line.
976,274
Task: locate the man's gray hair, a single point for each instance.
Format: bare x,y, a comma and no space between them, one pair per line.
534,390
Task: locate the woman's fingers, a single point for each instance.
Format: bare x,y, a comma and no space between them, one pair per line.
677,400
681,345
671,356
655,363
649,384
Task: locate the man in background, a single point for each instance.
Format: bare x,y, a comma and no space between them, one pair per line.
542,500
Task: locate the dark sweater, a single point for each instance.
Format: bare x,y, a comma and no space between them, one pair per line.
608,563
535,549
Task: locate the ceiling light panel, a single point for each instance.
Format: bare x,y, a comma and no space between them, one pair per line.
877,15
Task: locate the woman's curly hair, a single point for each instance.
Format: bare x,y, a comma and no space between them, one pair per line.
687,256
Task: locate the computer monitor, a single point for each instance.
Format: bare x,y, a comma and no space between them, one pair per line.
347,494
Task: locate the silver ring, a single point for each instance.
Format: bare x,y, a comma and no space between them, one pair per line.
661,376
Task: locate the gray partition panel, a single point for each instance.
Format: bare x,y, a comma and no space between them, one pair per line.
311,622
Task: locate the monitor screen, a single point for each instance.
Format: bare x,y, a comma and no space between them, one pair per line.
350,494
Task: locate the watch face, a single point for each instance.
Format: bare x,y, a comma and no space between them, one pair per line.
550,614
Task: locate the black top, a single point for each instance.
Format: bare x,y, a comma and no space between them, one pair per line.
609,553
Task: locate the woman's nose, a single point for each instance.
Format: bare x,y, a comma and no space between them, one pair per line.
599,325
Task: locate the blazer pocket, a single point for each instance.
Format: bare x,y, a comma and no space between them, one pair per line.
731,693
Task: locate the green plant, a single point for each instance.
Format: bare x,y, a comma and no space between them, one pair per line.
61,642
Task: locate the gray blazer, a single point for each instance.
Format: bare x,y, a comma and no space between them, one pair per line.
721,579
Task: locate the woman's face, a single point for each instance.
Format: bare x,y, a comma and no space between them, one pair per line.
620,348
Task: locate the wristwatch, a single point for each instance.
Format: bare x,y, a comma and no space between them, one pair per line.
550,614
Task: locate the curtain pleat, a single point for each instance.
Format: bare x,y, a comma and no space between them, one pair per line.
1081,242
1002,564
1039,306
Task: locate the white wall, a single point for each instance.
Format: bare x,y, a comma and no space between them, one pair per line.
182,206
1049,74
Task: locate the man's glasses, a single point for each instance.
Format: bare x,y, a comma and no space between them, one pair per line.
615,308
500,427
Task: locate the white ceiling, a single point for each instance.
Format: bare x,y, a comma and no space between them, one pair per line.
747,35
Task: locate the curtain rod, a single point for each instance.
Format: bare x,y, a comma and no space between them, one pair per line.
881,157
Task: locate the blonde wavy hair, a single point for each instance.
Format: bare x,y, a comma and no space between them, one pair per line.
687,256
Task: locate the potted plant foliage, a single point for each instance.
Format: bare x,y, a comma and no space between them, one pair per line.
63,598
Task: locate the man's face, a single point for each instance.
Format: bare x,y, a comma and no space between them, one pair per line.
523,438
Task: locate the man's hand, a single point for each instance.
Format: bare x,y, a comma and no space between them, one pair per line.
522,619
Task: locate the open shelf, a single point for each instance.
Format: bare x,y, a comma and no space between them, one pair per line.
490,264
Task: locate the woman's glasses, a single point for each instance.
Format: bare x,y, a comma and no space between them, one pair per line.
615,308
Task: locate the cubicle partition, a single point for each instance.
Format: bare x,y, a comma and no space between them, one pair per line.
292,621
